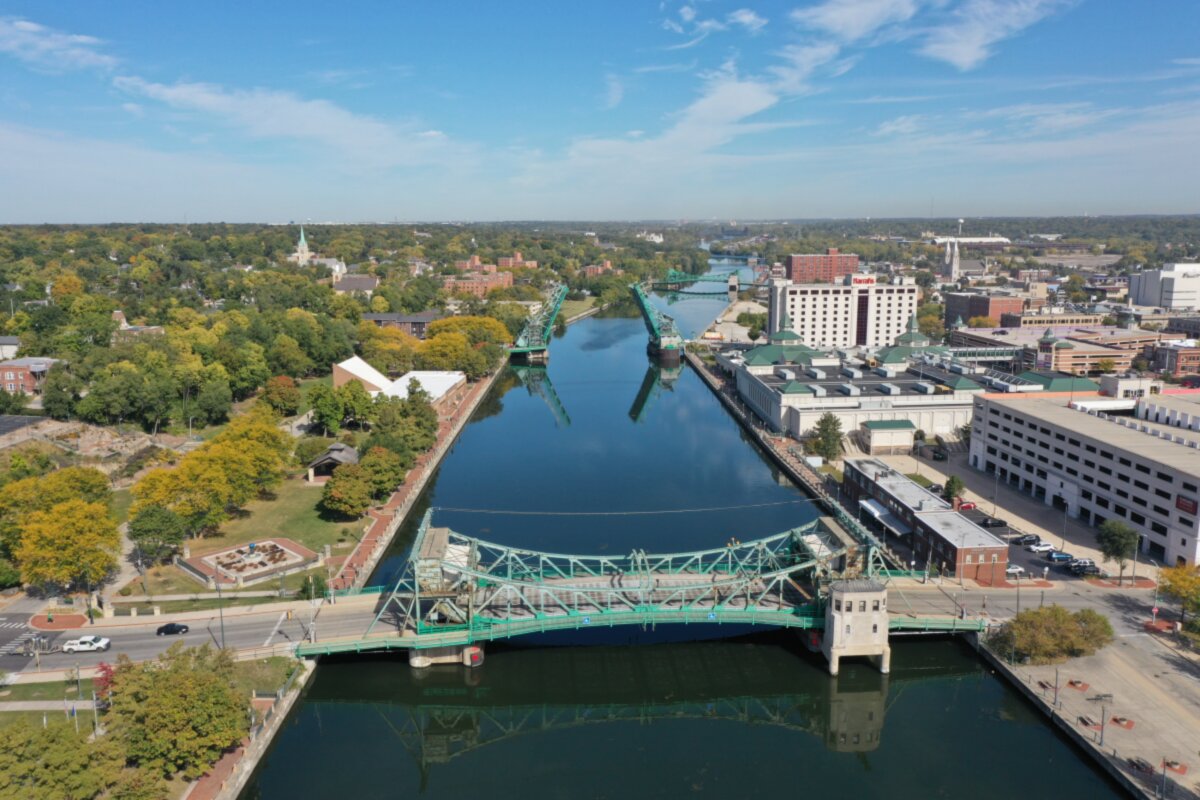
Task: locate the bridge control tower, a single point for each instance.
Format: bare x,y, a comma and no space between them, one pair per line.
856,623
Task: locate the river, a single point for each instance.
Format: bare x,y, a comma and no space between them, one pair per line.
630,457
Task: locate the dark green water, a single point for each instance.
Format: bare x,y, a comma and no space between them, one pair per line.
720,719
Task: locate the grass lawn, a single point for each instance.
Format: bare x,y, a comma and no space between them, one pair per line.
920,480
306,386
572,307
169,579
829,469
264,674
122,499
51,690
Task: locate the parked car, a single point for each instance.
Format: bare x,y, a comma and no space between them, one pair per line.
1083,562
87,644
967,506
172,629
936,488
1040,547
992,522
1091,569
1027,538
1057,557
1014,571
939,455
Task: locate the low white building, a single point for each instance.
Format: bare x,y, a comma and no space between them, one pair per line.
435,383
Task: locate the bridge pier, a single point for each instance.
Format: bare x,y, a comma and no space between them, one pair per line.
856,623
469,655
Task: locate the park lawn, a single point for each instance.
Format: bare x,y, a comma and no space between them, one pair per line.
265,675
829,469
292,514
51,690
919,480
122,499
307,385
571,308
169,579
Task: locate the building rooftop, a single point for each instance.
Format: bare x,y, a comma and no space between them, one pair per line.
899,485
958,530
1142,445
420,316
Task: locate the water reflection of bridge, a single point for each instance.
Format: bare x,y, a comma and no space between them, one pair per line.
445,713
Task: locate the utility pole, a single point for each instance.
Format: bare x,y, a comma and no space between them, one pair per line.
221,609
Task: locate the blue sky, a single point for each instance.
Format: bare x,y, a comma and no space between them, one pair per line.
272,111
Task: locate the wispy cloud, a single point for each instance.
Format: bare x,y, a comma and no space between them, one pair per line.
268,114
133,108
799,64
967,38
686,66
1050,117
747,19
900,126
614,91
851,20
1186,62
51,50
879,99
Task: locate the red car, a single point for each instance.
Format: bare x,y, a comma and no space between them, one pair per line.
967,506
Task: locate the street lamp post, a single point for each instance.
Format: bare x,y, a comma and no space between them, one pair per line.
995,487
221,610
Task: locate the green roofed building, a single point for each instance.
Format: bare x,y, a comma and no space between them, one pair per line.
887,436
1059,381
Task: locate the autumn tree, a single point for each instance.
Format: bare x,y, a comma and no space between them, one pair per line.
1051,634
982,322
477,329
348,492
72,544
56,762
23,497
953,488
282,395
178,714
327,409
1183,584
384,469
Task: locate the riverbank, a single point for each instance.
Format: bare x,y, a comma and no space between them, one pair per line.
1133,722
356,570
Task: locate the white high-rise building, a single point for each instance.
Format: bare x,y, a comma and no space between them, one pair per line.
859,311
1173,286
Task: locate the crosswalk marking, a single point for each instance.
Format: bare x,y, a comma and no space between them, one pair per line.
12,624
16,644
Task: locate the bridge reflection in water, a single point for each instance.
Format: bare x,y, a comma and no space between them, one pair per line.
443,713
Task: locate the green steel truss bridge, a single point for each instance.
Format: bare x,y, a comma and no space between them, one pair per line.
534,340
675,280
536,381
656,380
665,339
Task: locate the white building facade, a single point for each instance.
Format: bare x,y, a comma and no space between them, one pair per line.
1173,286
859,312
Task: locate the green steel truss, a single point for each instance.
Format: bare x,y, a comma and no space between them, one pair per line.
664,335
455,589
653,383
536,334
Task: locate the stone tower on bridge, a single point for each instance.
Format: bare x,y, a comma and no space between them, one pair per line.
856,623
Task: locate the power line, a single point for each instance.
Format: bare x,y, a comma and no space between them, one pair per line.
515,512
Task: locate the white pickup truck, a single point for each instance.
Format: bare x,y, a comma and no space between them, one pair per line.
86,644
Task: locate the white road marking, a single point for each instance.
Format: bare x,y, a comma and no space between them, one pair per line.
275,630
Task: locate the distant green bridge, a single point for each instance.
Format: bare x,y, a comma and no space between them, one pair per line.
533,342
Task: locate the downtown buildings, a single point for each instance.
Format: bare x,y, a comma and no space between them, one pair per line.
856,312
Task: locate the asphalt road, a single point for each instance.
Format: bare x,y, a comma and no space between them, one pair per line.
242,631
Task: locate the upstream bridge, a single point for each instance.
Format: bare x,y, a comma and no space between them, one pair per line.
456,591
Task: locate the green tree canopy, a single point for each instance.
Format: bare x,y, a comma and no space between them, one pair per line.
1118,542
827,440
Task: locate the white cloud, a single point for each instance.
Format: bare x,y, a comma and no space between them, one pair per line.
1186,62
614,91
1051,117
268,114
967,38
799,64
747,19
49,49
850,20
678,67
133,108
900,126
687,13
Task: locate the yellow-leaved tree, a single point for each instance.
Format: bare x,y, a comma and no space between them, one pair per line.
71,544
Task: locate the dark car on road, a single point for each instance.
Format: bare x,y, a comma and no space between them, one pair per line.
1059,557
1027,538
939,455
992,522
172,629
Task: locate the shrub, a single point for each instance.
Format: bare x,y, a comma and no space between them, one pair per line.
1051,634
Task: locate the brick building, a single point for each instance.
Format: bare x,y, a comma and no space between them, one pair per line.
938,535
412,324
477,283
1176,358
827,267
25,375
965,305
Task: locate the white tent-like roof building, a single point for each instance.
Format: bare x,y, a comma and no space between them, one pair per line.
435,383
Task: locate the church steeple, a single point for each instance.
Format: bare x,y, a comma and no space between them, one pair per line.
303,243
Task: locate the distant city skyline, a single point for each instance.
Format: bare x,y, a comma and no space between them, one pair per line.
601,111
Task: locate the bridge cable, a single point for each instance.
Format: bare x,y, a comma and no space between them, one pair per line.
517,512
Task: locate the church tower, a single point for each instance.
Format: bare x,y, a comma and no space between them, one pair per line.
302,255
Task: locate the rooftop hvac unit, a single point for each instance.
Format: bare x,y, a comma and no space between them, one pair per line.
889,388
786,374
885,371
850,389
813,372
852,372
925,388
818,390
960,369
